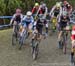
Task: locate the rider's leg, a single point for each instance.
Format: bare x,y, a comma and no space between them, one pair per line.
59,38
59,35
46,28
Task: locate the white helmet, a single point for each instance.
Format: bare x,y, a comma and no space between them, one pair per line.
58,4
44,5
29,13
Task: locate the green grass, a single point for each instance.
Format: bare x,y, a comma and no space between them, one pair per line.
5,36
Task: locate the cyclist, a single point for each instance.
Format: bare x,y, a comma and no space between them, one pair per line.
28,21
17,18
38,27
73,43
66,6
64,21
44,10
35,9
56,11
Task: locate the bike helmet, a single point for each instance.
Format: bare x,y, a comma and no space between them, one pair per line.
36,4
58,5
44,5
29,13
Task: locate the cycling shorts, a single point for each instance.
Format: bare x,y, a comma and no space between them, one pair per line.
62,26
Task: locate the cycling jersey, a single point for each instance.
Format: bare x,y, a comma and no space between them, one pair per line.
63,22
52,14
39,25
27,20
34,10
17,18
73,35
43,10
56,12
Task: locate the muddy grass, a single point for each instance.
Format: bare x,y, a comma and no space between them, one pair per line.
49,54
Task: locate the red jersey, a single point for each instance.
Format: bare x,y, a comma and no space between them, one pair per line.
73,35
34,10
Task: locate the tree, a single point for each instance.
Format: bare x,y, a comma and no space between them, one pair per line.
12,5
2,7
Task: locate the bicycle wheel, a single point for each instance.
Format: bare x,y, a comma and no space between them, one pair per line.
20,42
64,43
34,53
14,38
72,58
34,49
64,48
37,50
60,44
22,38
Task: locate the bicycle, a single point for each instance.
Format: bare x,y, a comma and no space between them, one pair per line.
35,46
63,41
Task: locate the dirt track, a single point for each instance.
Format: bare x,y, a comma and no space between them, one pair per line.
49,54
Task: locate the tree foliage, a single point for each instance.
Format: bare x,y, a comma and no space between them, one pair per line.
2,7
7,7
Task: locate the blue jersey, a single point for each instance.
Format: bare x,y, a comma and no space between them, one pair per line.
29,20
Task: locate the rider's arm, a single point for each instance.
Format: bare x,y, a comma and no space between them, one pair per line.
60,11
33,10
32,19
71,9
21,16
12,19
60,14
24,18
52,10
46,11
60,20
39,10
